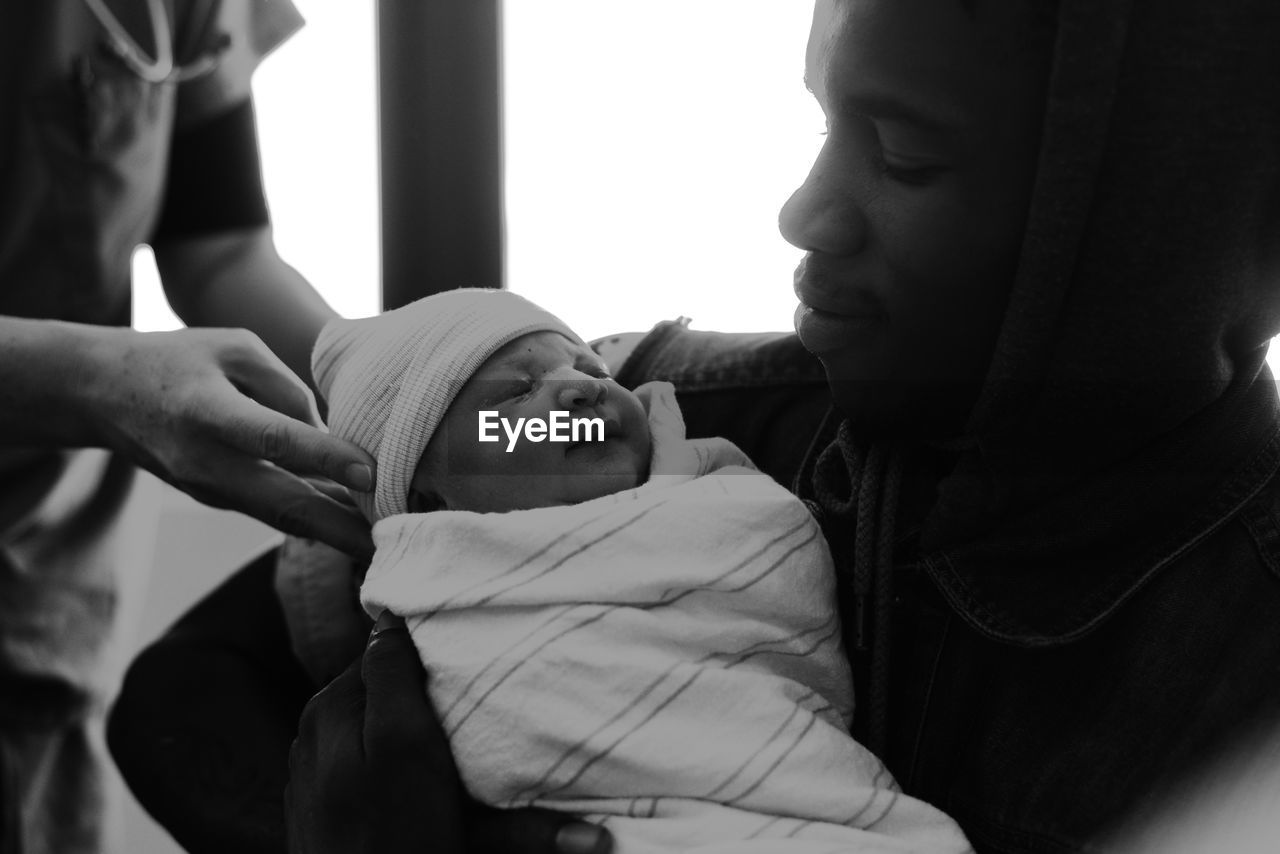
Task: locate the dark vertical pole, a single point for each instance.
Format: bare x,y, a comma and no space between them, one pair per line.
440,120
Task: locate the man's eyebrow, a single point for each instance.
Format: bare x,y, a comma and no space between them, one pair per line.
881,106
878,105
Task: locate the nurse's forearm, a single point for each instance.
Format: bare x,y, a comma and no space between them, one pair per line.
45,367
211,411
237,279
77,385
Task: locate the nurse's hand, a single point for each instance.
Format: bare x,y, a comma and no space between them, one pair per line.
216,414
371,771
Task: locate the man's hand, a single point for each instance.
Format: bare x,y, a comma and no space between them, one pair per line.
371,771
216,414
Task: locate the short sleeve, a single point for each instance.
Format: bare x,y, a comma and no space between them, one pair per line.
239,33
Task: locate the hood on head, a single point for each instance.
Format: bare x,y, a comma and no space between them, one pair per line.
1129,378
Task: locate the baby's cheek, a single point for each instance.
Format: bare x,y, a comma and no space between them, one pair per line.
641,450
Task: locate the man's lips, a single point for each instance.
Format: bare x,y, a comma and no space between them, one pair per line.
824,332
834,312
820,288
832,318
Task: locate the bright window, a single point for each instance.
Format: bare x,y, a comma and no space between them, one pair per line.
648,150
317,125
649,147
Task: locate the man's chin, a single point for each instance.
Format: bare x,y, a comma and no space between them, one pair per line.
901,409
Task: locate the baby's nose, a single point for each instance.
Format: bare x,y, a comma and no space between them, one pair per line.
580,392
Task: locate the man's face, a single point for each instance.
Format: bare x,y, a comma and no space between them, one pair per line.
529,378
913,214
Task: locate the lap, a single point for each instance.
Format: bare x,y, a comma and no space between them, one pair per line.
203,725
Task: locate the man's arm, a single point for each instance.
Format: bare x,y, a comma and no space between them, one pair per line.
203,723
371,770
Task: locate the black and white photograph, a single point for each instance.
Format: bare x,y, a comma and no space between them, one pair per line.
600,427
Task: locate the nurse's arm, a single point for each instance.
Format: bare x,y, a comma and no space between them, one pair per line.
212,412
235,278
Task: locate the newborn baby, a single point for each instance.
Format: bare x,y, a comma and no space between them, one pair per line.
618,622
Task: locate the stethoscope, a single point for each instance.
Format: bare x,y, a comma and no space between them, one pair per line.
162,69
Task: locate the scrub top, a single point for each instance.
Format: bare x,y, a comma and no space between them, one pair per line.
84,143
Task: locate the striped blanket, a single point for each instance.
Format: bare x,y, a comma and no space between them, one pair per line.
665,660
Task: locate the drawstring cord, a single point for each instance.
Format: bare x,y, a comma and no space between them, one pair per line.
855,488
865,548
878,718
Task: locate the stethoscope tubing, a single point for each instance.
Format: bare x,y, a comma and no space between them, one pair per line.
161,69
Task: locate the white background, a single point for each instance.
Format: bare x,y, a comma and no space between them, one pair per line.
649,147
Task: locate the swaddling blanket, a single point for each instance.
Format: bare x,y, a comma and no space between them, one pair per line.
666,660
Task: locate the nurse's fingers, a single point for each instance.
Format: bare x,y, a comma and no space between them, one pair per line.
266,434
260,374
282,500
273,415
328,488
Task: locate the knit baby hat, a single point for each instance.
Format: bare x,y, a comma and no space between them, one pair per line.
389,379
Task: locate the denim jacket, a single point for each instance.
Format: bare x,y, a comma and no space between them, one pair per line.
1043,696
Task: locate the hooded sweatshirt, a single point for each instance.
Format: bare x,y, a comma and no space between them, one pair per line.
1085,612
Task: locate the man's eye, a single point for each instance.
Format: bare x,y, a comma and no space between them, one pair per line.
881,147
917,174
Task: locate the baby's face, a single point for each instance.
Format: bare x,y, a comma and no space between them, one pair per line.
530,378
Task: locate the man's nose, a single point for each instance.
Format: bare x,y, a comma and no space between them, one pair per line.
580,392
823,215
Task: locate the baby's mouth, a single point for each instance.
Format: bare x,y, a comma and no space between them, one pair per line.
612,430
